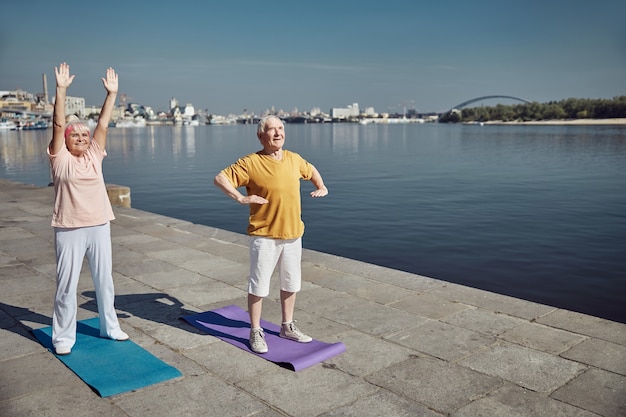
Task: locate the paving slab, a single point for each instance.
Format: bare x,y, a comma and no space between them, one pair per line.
598,391
483,321
16,342
496,303
600,354
586,325
543,338
368,354
439,385
429,306
514,401
60,400
442,340
528,368
307,393
191,398
383,403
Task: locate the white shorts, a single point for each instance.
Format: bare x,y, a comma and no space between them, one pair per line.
265,255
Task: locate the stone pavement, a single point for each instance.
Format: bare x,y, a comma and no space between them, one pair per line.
415,346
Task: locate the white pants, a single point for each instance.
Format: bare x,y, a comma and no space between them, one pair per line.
71,246
265,255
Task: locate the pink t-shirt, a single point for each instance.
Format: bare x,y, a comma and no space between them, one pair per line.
80,196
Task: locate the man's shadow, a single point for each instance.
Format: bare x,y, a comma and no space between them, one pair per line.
168,310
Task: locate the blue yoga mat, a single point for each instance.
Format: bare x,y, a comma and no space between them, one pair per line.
232,324
108,366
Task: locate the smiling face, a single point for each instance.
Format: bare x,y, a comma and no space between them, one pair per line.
272,135
77,138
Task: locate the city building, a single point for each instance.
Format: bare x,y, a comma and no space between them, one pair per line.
75,105
16,100
349,112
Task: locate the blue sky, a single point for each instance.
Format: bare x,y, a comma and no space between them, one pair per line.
228,56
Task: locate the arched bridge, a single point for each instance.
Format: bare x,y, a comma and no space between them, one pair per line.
474,100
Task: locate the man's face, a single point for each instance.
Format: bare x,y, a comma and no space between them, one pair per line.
273,138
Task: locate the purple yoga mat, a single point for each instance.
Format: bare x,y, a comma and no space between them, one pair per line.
232,324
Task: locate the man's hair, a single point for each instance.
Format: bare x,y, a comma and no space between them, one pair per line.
263,122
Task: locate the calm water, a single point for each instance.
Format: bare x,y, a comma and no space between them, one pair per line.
533,212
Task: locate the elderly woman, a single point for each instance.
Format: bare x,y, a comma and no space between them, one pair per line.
81,216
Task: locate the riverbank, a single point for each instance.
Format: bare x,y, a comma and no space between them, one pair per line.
415,345
575,122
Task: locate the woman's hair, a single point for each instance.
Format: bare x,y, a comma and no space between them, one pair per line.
74,124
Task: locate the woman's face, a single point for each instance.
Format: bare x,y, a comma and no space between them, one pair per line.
78,140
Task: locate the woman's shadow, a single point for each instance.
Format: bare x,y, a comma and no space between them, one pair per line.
156,307
16,315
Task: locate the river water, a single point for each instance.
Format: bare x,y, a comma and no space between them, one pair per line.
535,212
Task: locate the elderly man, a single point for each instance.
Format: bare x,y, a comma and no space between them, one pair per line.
272,180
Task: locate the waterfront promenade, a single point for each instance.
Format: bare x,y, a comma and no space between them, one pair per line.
415,346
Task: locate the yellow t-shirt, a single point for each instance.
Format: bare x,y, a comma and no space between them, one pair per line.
80,196
279,183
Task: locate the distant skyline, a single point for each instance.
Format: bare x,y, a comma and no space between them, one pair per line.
229,56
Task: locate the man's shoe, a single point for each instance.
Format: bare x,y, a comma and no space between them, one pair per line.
257,341
291,332
62,350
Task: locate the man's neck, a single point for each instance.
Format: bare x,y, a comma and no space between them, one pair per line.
278,154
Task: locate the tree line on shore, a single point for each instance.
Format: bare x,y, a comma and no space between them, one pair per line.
568,109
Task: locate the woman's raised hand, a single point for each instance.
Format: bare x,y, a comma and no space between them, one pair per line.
110,82
63,77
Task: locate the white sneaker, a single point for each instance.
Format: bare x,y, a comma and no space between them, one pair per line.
122,337
291,332
62,350
257,341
